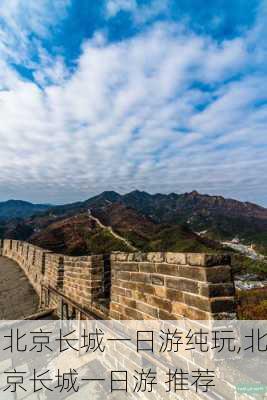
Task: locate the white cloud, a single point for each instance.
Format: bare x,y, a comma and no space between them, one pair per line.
140,13
20,20
114,6
164,111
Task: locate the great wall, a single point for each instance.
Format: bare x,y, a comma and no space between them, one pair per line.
137,286
127,285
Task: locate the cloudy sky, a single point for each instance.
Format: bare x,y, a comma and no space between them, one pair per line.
159,95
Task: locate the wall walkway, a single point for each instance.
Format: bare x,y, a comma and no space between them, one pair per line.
18,299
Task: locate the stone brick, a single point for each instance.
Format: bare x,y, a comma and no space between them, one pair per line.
117,307
196,314
207,260
222,304
145,288
129,302
113,256
147,309
123,275
140,277
160,291
186,285
140,257
121,256
216,289
128,285
217,259
115,315
157,279
165,315
140,296
167,269
115,298
131,313
156,257
196,259
147,267
130,257
174,295
219,274
176,258
196,273
158,302
199,302
126,266
118,291
178,308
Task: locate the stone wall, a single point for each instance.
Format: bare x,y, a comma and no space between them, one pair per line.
79,279
129,285
171,286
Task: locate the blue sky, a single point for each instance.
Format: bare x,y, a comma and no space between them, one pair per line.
163,96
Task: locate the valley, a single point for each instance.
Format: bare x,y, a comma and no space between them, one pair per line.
140,222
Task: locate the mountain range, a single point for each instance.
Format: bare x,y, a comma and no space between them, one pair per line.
137,220
20,209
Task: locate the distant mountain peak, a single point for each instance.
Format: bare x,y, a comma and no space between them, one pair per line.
136,192
194,193
109,193
14,201
20,209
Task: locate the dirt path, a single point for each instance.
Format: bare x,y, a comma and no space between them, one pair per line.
114,234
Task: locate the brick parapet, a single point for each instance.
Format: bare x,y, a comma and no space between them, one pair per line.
77,278
171,286
132,285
